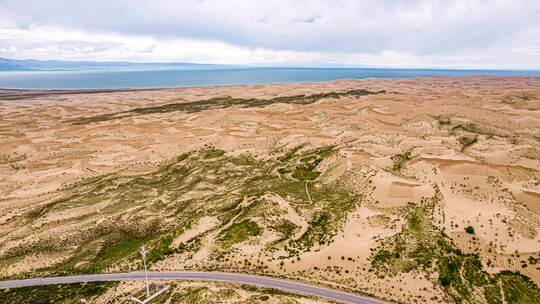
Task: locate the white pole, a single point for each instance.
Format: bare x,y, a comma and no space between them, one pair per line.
143,253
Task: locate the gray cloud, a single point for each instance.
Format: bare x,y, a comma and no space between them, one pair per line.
421,28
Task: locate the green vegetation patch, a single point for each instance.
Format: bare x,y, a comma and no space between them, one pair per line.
272,291
239,232
220,103
161,249
212,153
467,141
304,174
304,166
474,129
119,250
399,160
422,246
156,207
290,154
332,203
286,228
329,203
66,293
518,288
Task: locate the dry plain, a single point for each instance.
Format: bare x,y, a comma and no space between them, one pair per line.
421,190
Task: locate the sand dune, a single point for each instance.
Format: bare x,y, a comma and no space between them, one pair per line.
83,172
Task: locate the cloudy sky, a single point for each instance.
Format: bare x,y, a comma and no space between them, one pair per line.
369,33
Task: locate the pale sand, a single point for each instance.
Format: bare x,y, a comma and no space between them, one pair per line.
492,185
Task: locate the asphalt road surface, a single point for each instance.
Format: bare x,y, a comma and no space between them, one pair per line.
200,276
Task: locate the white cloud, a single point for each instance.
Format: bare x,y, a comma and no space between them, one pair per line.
401,33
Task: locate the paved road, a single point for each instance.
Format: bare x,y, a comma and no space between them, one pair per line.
200,276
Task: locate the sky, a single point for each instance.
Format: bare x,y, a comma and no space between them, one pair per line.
484,34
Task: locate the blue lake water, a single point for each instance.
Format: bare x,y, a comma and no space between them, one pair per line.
179,78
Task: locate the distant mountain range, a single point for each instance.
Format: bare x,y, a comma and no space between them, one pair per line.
60,65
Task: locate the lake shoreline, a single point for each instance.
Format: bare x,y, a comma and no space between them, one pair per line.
161,79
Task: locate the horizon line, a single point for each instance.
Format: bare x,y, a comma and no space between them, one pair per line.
263,65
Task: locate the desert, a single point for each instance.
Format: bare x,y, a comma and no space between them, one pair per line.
406,190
